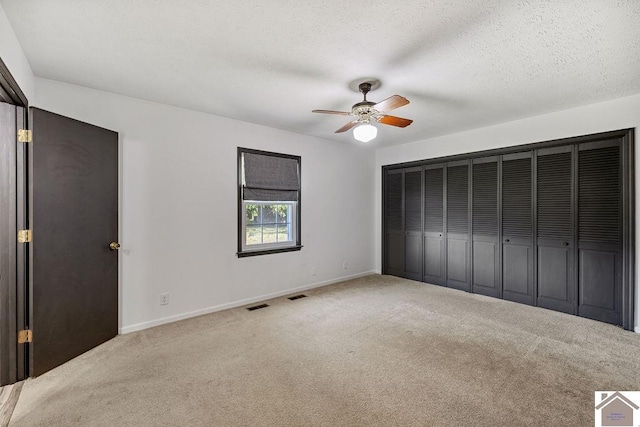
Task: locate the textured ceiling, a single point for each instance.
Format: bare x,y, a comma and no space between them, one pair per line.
462,64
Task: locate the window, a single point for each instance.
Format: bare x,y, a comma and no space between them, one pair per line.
268,223
268,202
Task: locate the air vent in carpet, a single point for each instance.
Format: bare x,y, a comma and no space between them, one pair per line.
256,307
297,297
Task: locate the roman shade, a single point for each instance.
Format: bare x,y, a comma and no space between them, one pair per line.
270,178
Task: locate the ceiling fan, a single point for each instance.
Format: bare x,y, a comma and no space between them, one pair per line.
366,112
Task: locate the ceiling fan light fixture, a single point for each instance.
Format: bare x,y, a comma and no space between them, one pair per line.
365,132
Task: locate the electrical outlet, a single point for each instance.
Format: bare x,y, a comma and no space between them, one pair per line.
344,264
314,271
164,299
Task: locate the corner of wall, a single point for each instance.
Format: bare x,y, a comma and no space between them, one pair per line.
14,58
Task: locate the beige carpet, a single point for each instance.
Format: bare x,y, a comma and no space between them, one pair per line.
372,351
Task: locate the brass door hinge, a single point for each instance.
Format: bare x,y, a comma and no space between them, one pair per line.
25,236
25,135
25,336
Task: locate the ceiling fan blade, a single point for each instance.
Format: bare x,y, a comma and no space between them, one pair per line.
347,126
394,121
340,113
391,103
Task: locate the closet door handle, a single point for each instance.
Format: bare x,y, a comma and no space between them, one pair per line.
506,240
566,243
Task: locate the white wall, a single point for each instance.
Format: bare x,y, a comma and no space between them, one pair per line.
179,206
13,57
601,117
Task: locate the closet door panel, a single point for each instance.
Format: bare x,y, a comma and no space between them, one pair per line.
486,262
554,264
598,267
395,254
394,224
600,285
517,271
485,278
517,230
554,190
434,261
434,198
600,231
413,223
458,225
413,257
457,262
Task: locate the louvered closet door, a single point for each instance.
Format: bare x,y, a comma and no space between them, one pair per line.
555,248
458,225
393,224
413,223
599,231
434,255
517,233
486,261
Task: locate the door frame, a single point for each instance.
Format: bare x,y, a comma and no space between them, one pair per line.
627,137
17,286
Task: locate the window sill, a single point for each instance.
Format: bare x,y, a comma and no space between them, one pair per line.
268,251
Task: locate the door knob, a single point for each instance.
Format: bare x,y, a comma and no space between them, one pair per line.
114,246
566,243
506,240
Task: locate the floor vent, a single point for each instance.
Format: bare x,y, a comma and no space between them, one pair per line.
256,307
297,297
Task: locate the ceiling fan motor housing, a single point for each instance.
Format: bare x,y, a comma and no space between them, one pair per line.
365,88
364,110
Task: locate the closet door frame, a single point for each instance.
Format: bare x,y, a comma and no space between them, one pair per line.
628,229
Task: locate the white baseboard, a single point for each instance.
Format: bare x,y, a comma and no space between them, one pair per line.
637,329
182,316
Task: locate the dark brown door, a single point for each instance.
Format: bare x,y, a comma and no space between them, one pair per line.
485,237
458,208
555,243
600,230
74,202
394,223
517,228
413,224
434,220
